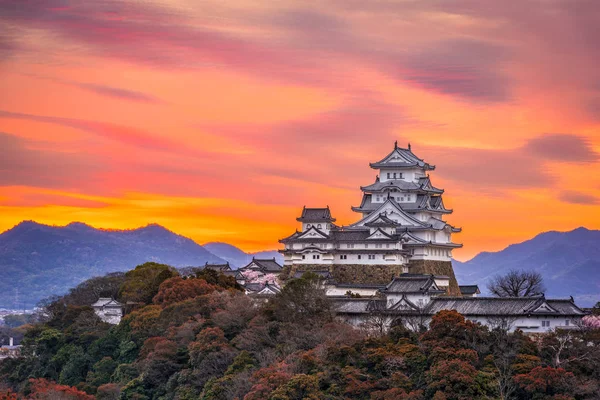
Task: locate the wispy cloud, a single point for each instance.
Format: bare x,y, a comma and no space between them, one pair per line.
579,198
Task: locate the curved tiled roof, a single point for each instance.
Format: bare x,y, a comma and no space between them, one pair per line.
379,186
316,215
401,158
505,306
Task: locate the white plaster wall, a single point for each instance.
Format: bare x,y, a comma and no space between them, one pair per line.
110,315
341,291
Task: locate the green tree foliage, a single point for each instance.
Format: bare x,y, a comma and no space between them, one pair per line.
16,320
199,338
142,283
302,301
215,278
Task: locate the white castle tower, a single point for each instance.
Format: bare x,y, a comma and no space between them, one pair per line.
401,230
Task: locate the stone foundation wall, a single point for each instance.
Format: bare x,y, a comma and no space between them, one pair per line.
436,268
358,273
352,273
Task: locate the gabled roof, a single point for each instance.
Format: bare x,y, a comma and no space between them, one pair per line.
438,224
404,304
424,202
269,288
379,234
413,284
312,233
469,290
107,302
218,267
316,215
237,274
381,220
402,185
390,204
401,158
504,306
264,264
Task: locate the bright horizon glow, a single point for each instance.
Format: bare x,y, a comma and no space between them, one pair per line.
221,121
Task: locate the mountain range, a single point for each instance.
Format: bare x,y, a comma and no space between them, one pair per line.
38,260
568,261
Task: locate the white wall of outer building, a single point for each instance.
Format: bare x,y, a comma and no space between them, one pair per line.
111,315
334,258
341,291
524,323
431,253
344,246
399,196
322,226
531,324
418,299
409,175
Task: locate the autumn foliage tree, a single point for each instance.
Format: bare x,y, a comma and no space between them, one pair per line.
546,383
42,389
177,289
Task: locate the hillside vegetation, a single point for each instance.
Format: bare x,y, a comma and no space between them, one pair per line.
202,338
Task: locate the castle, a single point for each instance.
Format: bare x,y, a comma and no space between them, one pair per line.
401,229
394,264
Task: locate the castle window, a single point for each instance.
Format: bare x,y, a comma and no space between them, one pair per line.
401,176
545,324
343,257
316,256
359,257
567,323
394,175
350,245
378,245
387,246
388,175
371,256
303,257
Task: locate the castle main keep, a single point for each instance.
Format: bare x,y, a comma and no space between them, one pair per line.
401,229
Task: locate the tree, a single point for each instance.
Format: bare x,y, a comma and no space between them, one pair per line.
177,289
142,283
41,389
517,284
542,383
90,290
302,301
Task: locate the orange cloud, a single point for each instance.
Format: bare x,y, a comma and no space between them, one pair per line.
222,121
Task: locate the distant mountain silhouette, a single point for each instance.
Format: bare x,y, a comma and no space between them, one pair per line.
39,260
568,261
236,257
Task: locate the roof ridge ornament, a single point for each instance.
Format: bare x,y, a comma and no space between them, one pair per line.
396,145
409,146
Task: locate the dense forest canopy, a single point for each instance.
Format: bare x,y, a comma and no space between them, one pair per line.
201,337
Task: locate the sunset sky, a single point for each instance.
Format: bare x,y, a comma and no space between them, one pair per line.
221,119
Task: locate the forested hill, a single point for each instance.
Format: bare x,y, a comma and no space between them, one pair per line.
568,261
39,260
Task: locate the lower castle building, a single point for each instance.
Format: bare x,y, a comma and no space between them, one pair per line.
411,300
